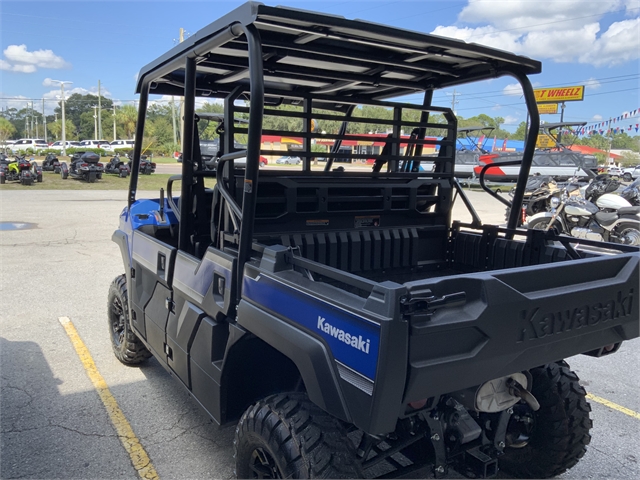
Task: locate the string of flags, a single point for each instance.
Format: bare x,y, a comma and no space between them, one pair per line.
607,127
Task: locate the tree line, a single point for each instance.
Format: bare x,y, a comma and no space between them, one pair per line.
159,131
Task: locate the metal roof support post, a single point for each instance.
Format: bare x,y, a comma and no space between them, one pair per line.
137,147
527,156
250,187
186,198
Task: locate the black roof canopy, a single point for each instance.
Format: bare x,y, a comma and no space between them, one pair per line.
325,56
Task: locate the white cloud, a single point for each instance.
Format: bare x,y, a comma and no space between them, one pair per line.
19,59
511,120
13,101
532,28
596,118
592,84
513,90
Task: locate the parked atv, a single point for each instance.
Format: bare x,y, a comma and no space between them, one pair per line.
19,170
117,167
51,163
84,166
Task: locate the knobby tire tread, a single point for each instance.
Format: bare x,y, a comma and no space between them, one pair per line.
562,426
308,442
132,351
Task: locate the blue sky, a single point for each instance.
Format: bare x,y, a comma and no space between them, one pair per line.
580,42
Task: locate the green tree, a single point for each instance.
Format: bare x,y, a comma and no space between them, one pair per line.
127,117
520,132
7,130
55,128
78,104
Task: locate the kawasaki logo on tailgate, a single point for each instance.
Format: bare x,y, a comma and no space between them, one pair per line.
537,323
356,341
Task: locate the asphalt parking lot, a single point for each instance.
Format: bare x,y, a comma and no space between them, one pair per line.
54,424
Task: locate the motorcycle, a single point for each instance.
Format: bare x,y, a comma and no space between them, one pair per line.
117,167
19,170
538,192
599,191
631,193
84,166
51,163
576,216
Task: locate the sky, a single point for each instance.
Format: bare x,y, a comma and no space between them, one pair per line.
580,42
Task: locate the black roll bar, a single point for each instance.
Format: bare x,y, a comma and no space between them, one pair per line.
137,146
529,148
250,187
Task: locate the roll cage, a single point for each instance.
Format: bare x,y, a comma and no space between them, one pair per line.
272,56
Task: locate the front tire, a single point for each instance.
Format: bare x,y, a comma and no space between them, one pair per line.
127,347
556,436
627,177
542,222
287,436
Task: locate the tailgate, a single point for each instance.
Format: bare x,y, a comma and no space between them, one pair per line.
516,319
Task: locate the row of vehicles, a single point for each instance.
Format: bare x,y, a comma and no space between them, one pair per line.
40,144
601,210
339,320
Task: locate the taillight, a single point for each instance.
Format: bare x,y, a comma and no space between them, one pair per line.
524,214
84,164
100,165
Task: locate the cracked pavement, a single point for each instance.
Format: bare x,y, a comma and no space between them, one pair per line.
52,422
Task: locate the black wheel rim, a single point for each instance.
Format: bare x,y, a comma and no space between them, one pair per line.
117,322
263,465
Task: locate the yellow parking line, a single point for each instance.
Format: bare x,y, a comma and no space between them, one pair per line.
130,442
614,406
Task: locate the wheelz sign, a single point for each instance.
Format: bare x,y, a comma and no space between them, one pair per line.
556,95
537,323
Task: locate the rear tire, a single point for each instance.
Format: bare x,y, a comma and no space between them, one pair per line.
559,433
627,177
287,436
628,234
127,347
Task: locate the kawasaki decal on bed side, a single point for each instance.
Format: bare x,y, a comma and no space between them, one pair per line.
353,340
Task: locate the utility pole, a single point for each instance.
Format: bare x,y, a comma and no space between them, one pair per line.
114,123
64,133
32,120
37,131
44,122
95,124
99,114
454,102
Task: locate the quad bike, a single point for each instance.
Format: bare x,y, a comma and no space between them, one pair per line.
117,167
19,170
84,166
51,163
